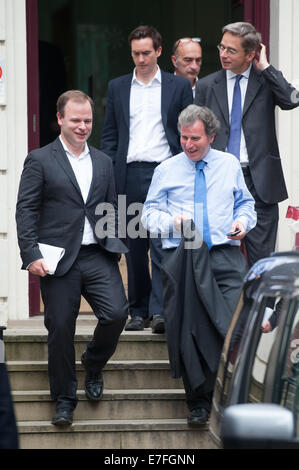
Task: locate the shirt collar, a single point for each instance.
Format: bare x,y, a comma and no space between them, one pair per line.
207,159
157,77
245,74
85,152
196,79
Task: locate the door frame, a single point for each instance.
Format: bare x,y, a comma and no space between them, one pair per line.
255,12
33,120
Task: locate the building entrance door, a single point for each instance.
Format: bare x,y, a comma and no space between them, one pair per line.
82,45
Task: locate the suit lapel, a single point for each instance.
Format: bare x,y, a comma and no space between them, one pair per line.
124,94
254,84
166,95
96,178
61,157
220,92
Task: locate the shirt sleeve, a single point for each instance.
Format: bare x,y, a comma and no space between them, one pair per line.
156,217
244,203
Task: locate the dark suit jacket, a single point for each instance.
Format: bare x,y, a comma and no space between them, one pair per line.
8,428
50,207
196,316
176,95
265,90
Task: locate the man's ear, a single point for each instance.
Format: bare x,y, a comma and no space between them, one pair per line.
173,60
159,51
59,118
251,56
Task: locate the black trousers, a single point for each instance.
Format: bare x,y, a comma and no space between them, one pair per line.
145,290
8,428
229,268
96,276
260,241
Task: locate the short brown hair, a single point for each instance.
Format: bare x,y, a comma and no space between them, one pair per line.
75,95
250,38
143,32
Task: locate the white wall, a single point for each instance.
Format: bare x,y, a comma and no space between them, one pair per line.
284,45
13,149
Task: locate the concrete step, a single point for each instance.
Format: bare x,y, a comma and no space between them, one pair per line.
118,434
30,344
33,375
115,404
142,406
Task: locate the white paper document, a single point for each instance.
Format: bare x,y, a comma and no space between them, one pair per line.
52,255
267,314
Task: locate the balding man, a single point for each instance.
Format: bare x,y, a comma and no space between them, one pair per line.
187,59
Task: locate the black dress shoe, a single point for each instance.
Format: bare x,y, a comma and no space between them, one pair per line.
94,383
62,417
198,417
136,324
158,324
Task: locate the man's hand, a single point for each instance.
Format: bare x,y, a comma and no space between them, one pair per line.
177,222
260,60
266,327
39,268
237,226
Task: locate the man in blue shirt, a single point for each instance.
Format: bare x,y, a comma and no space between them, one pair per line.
208,186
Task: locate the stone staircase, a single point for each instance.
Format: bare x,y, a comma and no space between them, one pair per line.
142,406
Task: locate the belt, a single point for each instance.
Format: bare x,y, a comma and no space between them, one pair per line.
88,247
245,170
244,165
143,164
222,245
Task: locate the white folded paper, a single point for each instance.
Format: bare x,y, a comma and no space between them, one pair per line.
52,255
267,314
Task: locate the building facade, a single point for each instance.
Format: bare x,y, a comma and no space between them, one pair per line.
18,123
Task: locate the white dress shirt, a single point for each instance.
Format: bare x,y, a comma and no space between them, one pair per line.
194,87
148,142
82,167
230,93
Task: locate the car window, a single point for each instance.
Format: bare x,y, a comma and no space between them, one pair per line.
290,377
266,339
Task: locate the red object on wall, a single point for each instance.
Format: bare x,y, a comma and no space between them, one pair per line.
33,119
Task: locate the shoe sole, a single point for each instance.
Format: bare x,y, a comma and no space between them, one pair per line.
198,424
159,328
62,422
134,329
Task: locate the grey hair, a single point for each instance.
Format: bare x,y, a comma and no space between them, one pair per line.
194,113
247,32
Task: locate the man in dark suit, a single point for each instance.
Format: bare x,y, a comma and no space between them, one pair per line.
252,137
64,189
140,131
8,428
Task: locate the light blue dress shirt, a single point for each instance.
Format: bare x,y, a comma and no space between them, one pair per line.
171,194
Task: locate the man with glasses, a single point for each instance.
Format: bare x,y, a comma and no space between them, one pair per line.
187,59
244,95
140,131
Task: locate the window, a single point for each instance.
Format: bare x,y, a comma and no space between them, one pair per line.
263,349
290,377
